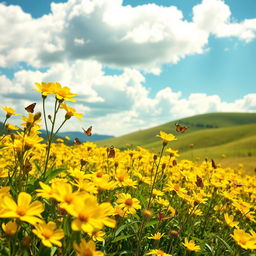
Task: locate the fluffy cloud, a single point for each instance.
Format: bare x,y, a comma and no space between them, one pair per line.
214,16
116,104
142,37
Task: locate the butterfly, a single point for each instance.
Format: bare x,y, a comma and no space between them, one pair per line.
199,182
111,152
77,141
30,108
88,132
161,216
180,128
214,166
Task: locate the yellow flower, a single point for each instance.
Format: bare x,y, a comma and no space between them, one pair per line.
127,203
62,192
11,127
158,252
167,137
63,93
230,220
9,112
190,245
45,88
90,215
156,236
23,210
87,249
244,240
10,228
48,234
70,112
97,235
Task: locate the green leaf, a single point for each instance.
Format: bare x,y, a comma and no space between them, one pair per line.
226,244
53,173
53,250
122,237
151,223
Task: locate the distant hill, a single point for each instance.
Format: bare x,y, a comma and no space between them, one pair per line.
72,135
82,137
208,135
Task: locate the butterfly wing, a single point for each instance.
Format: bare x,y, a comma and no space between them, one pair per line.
178,127
111,152
88,132
30,108
77,141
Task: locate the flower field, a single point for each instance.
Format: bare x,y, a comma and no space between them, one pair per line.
86,200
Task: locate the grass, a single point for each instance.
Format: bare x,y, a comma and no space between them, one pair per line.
209,136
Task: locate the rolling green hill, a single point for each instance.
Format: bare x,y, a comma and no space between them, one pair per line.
211,134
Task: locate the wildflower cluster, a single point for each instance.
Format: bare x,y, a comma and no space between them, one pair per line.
57,199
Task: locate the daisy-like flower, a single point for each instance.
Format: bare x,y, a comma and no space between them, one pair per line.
230,220
87,249
10,228
24,210
158,252
244,240
127,203
70,112
10,112
167,137
90,215
191,246
156,236
48,234
45,88
11,127
63,93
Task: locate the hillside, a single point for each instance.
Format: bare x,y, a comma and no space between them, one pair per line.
229,138
204,130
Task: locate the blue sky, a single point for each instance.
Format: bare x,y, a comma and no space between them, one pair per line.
134,64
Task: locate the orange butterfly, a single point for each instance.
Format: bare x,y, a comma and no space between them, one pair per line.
88,132
180,128
111,152
30,108
77,141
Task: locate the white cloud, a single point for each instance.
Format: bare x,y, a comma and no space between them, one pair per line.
214,16
116,104
142,37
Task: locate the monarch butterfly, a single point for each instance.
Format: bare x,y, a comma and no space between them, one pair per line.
111,152
77,141
180,128
88,132
30,108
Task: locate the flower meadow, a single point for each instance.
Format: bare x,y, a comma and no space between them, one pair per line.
86,200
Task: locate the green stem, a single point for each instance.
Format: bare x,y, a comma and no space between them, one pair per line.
50,138
45,121
142,226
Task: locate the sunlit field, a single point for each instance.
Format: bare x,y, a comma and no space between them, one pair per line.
88,200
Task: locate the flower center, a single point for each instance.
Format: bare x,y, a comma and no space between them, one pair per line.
68,198
47,233
99,174
21,211
87,252
128,202
176,187
121,178
83,217
242,240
